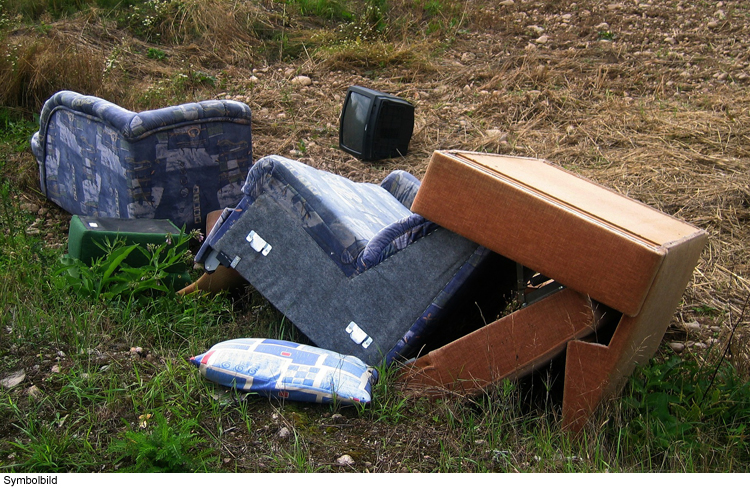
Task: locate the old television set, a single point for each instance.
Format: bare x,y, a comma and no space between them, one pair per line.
374,124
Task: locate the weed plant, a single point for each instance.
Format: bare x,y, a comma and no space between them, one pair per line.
110,277
158,446
685,409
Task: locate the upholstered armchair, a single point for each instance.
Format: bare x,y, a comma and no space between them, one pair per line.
348,263
178,163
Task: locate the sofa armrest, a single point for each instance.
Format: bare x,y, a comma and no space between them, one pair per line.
393,238
402,185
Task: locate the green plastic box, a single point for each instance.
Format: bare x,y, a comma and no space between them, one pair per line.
88,234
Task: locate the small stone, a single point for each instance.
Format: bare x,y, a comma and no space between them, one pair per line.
692,326
302,80
536,29
137,350
743,77
284,433
467,56
670,40
602,26
253,78
567,17
715,328
289,72
55,369
712,24
345,460
677,347
338,418
542,39
467,89
34,392
615,6
507,3
701,346
14,379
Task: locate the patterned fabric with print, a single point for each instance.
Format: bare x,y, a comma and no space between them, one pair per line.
179,163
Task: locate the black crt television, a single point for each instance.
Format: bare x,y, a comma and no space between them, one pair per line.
374,124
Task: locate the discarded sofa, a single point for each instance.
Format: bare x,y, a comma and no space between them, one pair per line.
178,163
347,263
616,257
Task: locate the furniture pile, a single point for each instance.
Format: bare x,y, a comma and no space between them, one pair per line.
396,272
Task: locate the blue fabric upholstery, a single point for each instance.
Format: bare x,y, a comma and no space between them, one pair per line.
179,163
402,185
341,215
343,252
287,370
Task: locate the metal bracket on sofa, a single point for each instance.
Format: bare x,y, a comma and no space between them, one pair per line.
258,244
358,335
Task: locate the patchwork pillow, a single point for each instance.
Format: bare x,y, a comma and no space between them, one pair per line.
288,370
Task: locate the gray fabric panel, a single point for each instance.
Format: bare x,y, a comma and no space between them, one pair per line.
315,295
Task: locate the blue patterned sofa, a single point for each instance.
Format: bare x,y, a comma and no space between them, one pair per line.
348,263
179,163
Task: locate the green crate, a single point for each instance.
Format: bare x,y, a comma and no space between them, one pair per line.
88,236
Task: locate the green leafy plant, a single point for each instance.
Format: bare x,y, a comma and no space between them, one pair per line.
16,130
110,277
678,403
157,446
327,9
157,54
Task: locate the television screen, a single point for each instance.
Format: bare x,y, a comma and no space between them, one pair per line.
374,124
354,121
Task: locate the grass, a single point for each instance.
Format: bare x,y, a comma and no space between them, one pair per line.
107,385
